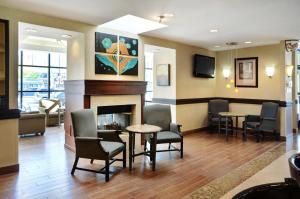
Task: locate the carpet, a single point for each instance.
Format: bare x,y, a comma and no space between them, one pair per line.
220,186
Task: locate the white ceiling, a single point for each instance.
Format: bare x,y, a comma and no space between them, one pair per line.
259,21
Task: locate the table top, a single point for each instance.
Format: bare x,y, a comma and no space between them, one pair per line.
233,114
143,128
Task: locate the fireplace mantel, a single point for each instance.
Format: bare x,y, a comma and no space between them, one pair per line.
78,96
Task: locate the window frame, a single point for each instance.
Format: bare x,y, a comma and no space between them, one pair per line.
48,67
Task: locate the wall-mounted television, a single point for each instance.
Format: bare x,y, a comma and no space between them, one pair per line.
204,66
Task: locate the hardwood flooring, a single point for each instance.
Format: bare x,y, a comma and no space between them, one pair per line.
45,169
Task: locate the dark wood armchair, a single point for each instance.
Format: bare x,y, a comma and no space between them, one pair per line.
160,115
265,122
214,119
93,144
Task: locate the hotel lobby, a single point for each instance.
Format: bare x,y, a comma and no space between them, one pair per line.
149,99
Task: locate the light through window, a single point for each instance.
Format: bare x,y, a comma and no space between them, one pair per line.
41,75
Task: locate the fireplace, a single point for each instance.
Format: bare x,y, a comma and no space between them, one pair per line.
116,117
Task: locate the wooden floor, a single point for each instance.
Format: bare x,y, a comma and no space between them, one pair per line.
45,169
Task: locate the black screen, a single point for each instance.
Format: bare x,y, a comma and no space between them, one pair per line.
204,66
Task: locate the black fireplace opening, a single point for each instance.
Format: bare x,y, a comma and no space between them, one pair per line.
116,117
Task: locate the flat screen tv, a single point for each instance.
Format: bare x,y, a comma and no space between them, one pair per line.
204,66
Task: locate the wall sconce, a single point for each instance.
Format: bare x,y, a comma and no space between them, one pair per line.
270,71
289,70
226,73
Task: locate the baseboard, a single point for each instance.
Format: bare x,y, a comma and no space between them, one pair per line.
194,130
9,169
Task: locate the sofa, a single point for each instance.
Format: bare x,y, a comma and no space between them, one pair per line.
32,123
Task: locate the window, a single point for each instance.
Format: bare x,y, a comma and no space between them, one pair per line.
41,75
149,76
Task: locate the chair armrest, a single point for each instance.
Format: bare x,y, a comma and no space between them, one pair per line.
252,118
269,118
87,139
89,147
110,135
176,128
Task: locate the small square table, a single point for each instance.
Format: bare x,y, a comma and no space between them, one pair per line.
227,115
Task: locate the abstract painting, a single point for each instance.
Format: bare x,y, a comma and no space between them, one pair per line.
128,46
128,65
163,75
106,64
106,43
116,55
246,72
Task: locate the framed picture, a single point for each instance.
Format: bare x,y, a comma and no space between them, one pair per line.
246,72
163,75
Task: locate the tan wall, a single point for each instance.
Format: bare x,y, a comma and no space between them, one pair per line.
267,56
166,56
76,58
8,142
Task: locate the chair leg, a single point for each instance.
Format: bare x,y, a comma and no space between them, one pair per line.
75,165
107,170
257,134
169,146
181,149
145,145
92,161
151,148
124,158
244,133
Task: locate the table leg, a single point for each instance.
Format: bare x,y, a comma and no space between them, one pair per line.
154,151
226,127
236,126
130,150
133,147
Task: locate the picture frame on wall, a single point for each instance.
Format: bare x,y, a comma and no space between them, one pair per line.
163,75
246,72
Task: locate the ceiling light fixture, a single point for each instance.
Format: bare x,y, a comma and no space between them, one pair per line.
214,30
66,36
133,24
217,46
168,15
30,30
248,42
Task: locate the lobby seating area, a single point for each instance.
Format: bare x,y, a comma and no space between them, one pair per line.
149,99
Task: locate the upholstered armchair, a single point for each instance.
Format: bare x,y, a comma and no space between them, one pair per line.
214,119
265,122
93,144
53,111
160,115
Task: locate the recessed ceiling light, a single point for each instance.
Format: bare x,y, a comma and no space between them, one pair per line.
168,15
214,30
248,42
66,36
30,30
133,24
